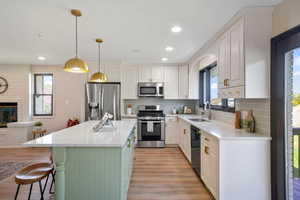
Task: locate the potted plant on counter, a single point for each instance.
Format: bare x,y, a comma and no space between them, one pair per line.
37,125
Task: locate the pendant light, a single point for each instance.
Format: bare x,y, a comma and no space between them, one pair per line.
76,65
99,76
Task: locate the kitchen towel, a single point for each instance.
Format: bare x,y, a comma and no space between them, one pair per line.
150,127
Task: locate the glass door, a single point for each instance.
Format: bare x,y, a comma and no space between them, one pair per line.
293,69
285,115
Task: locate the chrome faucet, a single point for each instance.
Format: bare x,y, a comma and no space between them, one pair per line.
106,119
207,109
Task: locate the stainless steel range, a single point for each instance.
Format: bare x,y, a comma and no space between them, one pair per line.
151,126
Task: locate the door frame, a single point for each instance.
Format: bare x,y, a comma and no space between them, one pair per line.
280,45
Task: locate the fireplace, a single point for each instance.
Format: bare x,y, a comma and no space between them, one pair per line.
8,113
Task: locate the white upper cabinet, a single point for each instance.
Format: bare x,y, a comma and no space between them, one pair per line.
158,73
231,57
171,82
148,73
223,60
129,81
145,73
113,72
193,88
237,72
244,55
183,77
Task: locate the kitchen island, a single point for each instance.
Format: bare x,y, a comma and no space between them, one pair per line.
92,165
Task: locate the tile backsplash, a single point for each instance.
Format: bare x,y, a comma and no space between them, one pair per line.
260,108
166,104
261,112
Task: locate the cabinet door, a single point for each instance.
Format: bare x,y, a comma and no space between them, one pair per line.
237,66
204,162
181,134
145,73
158,73
193,82
183,77
113,72
223,60
213,180
185,140
129,82
210,162
171,82
188,143
172,132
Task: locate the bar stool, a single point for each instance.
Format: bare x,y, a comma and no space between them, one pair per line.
32,174
39,133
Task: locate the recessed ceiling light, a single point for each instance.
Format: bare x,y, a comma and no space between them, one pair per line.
41,58
176,29
169,48
164,59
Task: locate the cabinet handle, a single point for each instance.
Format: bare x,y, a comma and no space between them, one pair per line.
224,82
206,139
206,150
184,131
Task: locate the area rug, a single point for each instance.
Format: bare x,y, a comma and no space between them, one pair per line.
8,168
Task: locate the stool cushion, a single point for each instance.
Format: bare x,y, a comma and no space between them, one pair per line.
33,173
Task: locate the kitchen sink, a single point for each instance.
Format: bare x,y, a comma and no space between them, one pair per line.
198,120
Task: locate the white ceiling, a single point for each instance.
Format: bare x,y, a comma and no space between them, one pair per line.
31,28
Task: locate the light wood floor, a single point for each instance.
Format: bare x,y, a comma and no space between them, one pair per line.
159,174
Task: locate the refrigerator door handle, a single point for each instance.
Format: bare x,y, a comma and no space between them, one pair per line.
102,102
114,103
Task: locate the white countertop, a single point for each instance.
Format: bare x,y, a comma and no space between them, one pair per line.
221,130
167,115
83,135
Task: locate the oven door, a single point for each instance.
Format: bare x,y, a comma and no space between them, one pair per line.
151,130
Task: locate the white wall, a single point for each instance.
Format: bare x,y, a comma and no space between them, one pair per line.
18,77
286,16
69,97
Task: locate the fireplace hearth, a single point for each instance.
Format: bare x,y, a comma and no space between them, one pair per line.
8,113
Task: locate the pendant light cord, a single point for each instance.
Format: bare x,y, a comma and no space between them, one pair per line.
99,57
76,37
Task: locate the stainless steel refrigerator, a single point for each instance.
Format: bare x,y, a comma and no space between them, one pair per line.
102,98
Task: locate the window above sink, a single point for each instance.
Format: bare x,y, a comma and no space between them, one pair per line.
208,90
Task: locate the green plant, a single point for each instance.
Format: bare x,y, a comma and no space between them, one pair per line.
38,124
296,100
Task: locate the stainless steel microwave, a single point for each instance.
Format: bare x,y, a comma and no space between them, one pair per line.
146,89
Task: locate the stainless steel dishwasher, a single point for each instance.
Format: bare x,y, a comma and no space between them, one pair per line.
196,149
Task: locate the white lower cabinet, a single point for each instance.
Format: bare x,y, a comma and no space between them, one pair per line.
185,139
232,168
210,162
172,132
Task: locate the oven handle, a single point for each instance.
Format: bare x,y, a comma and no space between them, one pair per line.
146,121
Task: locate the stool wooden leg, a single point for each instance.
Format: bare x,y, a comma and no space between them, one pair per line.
30,191
17,192
41,190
